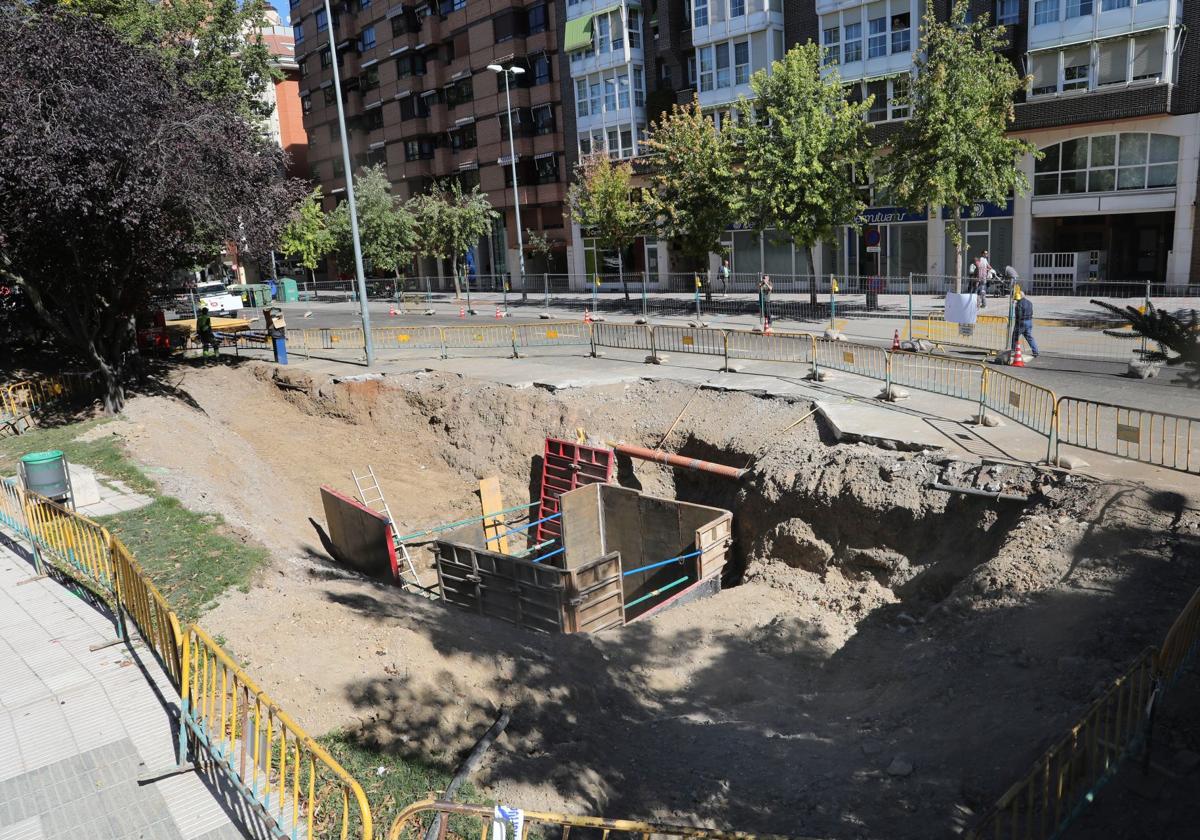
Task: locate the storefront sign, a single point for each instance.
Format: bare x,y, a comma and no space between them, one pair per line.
890,215
982,210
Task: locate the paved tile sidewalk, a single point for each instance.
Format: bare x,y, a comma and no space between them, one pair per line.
77,728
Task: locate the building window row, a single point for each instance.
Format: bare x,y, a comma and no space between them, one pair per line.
891,97
608,32
1100,64
541,170
618,141
886,25
1107,163
609,92
1052,11
1008,11
722,65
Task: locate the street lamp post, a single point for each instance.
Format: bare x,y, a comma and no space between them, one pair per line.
512,154
368,346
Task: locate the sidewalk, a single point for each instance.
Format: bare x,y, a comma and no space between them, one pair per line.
78,727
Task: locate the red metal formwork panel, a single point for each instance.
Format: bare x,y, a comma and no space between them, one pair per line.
565,466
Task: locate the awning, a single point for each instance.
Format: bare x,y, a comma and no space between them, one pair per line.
579,31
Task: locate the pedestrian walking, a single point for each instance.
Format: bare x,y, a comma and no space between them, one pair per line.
1023,322
724,273
205,331
983,271
764,299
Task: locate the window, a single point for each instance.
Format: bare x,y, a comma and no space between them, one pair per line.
1076,68
303,67
419,149
741,62
362,4
722,62
581,98
366,40
328,92
540,71
1008,11
639,87
594,102
635,29
1078,8
1148,55
706,68
691,70
373,119
1045,11
1109,5
1044,68
610,95
901,34
898,105
537,19
369,80
737,8
1106,163
618,32
306,104
878,111
460,92
831,40
877,32
410,65
448,6
852,51
463,138
543,119
623,91
509,25
603,33
325,60
547,169
339,167
322,21
700,13
298,32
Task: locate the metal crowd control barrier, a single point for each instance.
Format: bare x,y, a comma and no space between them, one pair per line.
552,334
477,337
299,787
987,333
1153,437
1179,646
74,544
151,614
413,822
797,348
623,336
1028,404
406,338
699,340
863,359
1064,779
937,374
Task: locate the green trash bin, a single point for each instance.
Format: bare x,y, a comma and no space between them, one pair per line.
260,294
46,473
289,290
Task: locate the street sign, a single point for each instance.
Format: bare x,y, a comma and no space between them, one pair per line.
871,236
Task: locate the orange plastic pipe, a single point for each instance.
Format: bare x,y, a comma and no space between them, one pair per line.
678,460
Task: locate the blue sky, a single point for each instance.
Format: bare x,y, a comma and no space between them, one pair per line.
284,10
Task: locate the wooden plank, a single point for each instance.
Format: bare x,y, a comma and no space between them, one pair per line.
493,523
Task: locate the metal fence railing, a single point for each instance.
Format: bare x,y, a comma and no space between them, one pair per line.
1153,437
1030,405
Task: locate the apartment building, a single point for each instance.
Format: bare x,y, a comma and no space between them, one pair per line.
1113,106
420,99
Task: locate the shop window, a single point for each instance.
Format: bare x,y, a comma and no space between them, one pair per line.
537,19
1107,162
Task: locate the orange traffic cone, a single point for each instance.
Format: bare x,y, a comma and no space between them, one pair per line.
895,341
1017,359
587,316
499,314
462,312
393,311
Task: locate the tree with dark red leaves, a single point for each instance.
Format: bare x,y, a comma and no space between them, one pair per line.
114,174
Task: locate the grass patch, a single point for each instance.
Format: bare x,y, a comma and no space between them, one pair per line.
103,455
402,782
191,557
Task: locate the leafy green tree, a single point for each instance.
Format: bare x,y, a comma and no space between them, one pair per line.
306,236
804,151
450,222
386,228
1177,336
693,182
954,148
225,55
603,204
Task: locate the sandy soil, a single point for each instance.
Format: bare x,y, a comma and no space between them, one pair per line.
891,660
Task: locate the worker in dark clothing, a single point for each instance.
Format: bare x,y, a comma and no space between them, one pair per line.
1023,322
205,331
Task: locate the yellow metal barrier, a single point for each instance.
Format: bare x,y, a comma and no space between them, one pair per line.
863,359
413,821
480,337
1063,779
1028,404
699,340
151,614
937,374
987,333
623,336
1180,644
1153,437
798,348
336,338
406,338
300,786
75,545
553,334
12,507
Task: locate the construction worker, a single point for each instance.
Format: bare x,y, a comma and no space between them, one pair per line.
205,331
1023,322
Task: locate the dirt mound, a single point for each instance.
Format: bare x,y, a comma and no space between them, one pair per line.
871,621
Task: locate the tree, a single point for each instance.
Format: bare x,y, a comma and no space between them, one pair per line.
1174,334
450,222
805,149
225,56
954,150
306,236
115,173
693,182
386,229
603,204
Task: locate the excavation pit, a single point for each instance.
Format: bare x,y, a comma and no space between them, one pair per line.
625,556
